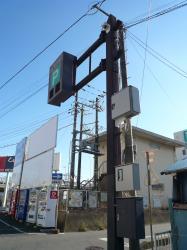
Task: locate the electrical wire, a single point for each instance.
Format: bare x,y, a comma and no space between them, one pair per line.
100,91
2,85
23,101
153,75
8,145
145,57
157,56
28,127
14,144
153,11
158,14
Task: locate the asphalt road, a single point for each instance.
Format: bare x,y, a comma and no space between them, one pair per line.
18,237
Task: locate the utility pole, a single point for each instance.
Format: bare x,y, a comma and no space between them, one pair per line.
129,152
72,167
6,189
80,152
149,197
96,143
113,67
113,135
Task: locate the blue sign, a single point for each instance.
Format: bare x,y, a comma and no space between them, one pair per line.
56,176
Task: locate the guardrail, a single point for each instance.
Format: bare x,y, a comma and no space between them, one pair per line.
163,241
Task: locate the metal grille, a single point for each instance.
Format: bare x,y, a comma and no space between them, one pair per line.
163,241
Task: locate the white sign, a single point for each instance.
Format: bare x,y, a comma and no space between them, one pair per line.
56,162
37,172
16,175
75,198
92,199
42,139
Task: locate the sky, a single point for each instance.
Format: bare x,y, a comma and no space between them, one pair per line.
29,26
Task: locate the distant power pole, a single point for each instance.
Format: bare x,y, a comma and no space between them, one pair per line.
72,167
80,152
96,143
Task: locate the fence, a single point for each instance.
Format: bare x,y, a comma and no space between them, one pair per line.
163,241
82,199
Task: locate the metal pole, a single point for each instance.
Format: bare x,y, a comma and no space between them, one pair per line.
96,144
80,153
6,189
113,138
72,167
128,153
149,197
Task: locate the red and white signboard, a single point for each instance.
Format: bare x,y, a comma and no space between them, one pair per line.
54,195
6,163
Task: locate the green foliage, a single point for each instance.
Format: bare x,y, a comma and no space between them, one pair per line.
82,227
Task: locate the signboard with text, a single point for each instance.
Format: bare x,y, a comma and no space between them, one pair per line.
7,163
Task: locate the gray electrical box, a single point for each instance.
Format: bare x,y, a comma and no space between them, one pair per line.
127,177
130,218
61,79
125,103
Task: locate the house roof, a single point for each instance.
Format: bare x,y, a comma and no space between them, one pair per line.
178,166
150,136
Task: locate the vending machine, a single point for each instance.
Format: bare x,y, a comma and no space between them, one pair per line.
21,211
13,202
32,206
47,207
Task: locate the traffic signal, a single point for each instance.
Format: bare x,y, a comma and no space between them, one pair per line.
61,79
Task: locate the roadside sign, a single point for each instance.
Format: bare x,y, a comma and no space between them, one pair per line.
7,163
54,195
57,176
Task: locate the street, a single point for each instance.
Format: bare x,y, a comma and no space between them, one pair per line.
21,238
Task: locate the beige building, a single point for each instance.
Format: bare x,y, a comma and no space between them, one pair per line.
162,153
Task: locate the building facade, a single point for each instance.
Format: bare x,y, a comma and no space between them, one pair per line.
162,152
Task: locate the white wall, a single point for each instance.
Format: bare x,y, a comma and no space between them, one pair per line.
164,155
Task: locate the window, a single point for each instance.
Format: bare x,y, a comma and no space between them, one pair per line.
184,151
120,174
159,187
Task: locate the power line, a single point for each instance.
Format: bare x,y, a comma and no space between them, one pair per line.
163,60
157,53
8,145
2,85
145,57
153,11
33,122
65,126
158,14
99,90
26,128
24,100
14,144
154,76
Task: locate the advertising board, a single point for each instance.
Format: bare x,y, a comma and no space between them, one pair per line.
75,198
37,172
7,163
43,139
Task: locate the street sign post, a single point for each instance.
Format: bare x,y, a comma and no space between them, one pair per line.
57,176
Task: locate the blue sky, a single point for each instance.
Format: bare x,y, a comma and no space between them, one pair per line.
28,26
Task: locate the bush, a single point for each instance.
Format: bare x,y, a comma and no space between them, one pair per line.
82,227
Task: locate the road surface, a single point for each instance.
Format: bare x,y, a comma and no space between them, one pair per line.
19,238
